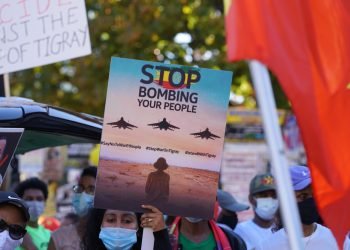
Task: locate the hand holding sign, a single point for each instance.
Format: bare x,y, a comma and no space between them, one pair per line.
153,219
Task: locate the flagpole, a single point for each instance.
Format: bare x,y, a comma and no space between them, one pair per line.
267,106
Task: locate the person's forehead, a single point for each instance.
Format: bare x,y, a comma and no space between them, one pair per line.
87,180
119,212
12,214
266,192
33,192
308,189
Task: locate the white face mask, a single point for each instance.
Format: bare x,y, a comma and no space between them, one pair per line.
266,207
194,220
7,243
36,208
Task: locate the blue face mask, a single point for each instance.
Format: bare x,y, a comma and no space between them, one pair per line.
116,238
82,202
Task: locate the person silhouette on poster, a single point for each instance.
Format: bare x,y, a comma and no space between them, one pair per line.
157,185
3,157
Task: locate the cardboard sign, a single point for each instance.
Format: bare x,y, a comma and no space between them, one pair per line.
162,137
9,139
39,32
48,163
245,124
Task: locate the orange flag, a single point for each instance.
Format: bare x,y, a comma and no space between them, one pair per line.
306,44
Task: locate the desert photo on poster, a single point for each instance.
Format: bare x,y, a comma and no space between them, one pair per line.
162,137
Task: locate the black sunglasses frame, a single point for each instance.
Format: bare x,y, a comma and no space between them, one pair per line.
16,232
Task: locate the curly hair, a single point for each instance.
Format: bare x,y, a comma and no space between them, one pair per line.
89,171
31,183
91,240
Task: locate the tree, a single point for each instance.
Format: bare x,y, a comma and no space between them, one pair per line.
139,29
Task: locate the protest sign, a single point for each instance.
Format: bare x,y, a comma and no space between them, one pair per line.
39,32
162,137
9,139
48,163
245,124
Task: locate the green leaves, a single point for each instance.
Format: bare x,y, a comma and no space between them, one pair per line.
139,29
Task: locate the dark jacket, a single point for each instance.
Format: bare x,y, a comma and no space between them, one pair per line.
161,241
236,242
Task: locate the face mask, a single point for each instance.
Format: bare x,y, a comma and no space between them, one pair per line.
36,208
115,238
7,243
308,211
82,202
266,208
193,220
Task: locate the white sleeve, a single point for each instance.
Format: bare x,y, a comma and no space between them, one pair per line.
261,246
347,242
241,231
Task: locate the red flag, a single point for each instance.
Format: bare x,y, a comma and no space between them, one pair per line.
307,46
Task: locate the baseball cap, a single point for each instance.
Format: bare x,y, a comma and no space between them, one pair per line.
228,202
261,183
14,199
301,177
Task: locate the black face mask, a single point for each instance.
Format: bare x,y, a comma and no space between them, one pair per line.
229,220
308,211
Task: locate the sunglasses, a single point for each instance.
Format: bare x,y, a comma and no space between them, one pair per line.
16,232
79,189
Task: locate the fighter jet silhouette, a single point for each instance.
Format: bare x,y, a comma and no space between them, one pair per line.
122,124
163,125
206,134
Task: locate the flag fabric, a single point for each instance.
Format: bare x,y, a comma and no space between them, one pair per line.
306,44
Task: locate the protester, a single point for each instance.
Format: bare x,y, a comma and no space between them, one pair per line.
69,237
316,236
115,229
189,233
13,220
347,242
229,208
70,218
34,192
262,196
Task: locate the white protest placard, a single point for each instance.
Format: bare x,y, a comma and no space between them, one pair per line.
39,32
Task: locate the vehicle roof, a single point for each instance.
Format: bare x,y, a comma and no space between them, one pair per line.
46,125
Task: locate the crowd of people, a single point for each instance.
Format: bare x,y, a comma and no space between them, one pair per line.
90,228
